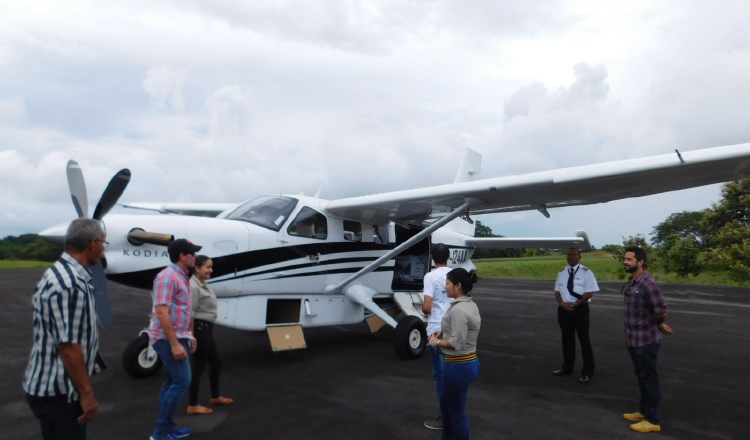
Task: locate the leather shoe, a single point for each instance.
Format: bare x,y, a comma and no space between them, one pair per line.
562,372
645,426
584,379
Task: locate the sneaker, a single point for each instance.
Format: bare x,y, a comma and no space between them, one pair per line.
167,436
434,424
179,432
645,426
633,417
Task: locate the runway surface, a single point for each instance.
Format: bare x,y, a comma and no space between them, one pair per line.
349,384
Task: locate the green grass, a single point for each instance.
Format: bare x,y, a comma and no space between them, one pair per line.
604,266
21,264
534,268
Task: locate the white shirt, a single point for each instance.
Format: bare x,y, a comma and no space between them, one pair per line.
584,282
434,286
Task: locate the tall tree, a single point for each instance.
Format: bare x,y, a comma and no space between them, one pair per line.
685,224
728,225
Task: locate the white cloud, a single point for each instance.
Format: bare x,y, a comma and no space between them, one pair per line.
356,96
164,84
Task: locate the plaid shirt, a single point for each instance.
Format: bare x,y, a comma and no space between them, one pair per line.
64,313
643,300
172,288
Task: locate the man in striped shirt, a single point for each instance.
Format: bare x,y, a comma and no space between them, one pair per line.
66,339
171,334
645,312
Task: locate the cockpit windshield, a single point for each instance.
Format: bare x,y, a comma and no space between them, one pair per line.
268,212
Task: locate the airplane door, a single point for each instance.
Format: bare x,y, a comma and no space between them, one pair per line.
413,263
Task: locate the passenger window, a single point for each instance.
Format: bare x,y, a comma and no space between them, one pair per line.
309,223
352,231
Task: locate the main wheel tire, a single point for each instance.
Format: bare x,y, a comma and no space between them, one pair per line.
410,338
136,361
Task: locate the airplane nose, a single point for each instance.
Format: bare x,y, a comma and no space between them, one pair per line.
56,234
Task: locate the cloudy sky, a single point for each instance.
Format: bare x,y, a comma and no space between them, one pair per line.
222,101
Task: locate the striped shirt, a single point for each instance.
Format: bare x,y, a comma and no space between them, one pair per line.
172,288
64,312
643,300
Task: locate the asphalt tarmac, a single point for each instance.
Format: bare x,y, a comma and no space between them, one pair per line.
349,384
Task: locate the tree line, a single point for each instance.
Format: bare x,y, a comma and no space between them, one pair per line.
28,247
717,238
687,242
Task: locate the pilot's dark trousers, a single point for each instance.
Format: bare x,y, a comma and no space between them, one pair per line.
571,323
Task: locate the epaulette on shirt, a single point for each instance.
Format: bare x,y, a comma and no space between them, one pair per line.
585,268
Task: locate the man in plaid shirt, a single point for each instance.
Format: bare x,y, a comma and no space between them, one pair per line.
645,312
170,333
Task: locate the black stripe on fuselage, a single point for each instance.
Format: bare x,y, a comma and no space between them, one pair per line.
244,261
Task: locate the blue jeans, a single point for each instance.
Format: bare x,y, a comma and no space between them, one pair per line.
174,386
456,381
436,358
644,364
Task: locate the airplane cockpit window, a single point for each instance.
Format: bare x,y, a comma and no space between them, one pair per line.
309,223
268,212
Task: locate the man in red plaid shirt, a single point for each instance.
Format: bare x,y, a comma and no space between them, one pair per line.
645,312
170,334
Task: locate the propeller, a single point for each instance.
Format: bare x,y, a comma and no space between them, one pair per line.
109,198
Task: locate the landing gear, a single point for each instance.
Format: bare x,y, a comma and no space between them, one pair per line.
410,337
139,360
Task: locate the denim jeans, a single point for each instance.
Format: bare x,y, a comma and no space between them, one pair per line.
456,380
644,364
436,358
175,384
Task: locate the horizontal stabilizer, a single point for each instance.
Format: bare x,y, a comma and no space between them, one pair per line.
581,241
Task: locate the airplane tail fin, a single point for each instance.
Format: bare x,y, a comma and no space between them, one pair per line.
471,167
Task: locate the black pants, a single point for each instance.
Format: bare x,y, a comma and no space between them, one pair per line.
58,418
206,353
571,323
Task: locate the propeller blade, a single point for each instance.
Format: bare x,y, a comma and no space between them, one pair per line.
101,294
77,189
112,193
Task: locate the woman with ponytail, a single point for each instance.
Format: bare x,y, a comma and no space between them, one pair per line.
457,339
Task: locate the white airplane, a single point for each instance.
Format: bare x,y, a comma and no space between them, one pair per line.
283,263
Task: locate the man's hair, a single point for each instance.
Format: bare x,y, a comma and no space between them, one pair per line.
640,254
440,253
81,233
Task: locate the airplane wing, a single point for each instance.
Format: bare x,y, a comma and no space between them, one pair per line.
195,209
583,185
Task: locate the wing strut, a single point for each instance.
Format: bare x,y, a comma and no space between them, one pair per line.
337,288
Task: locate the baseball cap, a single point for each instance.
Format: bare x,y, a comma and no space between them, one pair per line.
182,246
